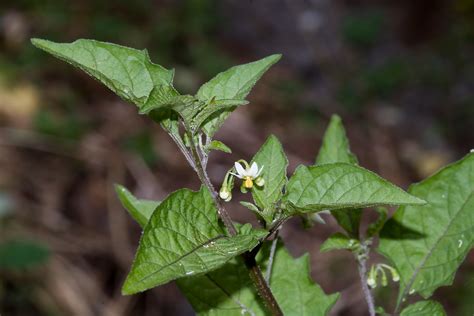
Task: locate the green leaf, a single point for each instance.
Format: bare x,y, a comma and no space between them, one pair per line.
294,289
229,291
338,241
424,308
217,145
234,83
349,220
183,238
216,107
250,206
335,147
426,244
193,111
273,159
339,186
18,254
376,226
140,210
126,71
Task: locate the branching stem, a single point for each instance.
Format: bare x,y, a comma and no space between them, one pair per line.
194,159
361,258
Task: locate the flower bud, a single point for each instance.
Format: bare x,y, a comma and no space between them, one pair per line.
260,181
372,279
225,194
371,282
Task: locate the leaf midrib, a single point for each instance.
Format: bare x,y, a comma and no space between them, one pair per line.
181,257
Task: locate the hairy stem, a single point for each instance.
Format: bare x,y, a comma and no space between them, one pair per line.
271,257
202,174
361,258
249,258
261,285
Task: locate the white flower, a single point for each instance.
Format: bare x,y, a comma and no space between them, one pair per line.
248,174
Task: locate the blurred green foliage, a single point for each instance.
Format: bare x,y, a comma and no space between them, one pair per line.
363,29
142,145
19,254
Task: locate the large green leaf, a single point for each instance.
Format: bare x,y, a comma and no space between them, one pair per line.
335,148
339,186
229,290
424,308
126,71
183,238
273,159
428,243
234,83
140,210
294,289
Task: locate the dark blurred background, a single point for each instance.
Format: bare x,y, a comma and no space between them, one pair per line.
399,72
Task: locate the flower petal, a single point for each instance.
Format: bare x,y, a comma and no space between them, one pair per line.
236,175
253,172
240,170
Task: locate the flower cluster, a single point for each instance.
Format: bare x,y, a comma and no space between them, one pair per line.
249,174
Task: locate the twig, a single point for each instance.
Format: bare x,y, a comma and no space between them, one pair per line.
203,176
271,257
361,258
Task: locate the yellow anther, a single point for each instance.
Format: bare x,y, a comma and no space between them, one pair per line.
248,182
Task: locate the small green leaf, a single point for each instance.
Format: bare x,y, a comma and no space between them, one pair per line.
140,210
339,186
193,111
18,254
424,308
217,145
229,291
216,107
250,206
183,238
126,71
274,162
234,83
338,241
335,147
426,244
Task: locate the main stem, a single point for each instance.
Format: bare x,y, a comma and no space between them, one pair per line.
362,267
248,257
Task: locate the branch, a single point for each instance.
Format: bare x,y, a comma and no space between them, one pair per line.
271,257
361,258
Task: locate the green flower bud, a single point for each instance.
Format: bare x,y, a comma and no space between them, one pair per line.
225,194
260,181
